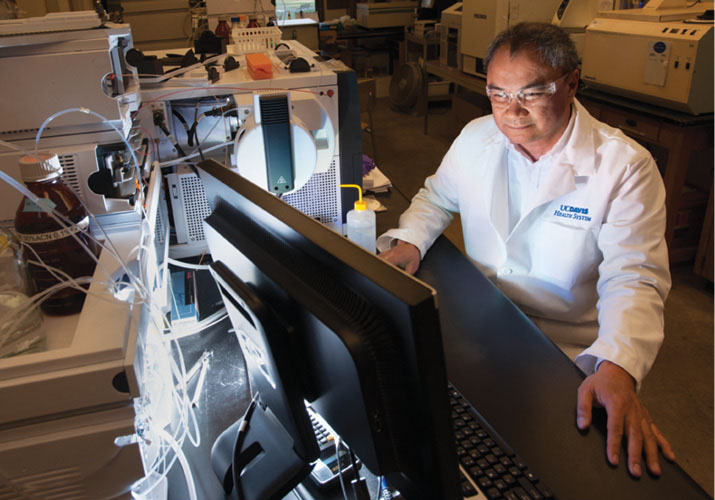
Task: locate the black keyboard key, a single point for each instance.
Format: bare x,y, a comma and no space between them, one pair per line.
482,449
461,451
491,458
491,474
514,471
484,482
467,489
467,431
500,469
482,462
467,461
519,462
521,494
489,442
544,491
509,479
531,476
500,484
510,495
458,423
505,461
475,454
476,472
493,493
530,489
497,452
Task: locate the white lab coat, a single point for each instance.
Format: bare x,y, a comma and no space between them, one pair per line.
587,260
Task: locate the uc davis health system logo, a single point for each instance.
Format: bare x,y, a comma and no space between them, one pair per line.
575,213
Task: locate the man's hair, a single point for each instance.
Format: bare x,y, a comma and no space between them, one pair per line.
553,45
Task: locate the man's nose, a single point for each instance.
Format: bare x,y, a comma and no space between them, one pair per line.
515,108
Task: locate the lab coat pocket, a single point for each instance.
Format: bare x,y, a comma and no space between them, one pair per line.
564,253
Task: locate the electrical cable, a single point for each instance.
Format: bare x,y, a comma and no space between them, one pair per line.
202,325
182,427
214,112
59,285
180,396
182,460
142,292
192,155
187,265
359,484
183,121
240,437
340,467
88,112
185,413
352,460
196,124
168,134
181,381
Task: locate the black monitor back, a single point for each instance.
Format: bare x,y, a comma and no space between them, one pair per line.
366,335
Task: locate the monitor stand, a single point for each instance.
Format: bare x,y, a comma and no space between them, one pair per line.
260,457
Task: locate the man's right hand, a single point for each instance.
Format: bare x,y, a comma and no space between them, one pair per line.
403,255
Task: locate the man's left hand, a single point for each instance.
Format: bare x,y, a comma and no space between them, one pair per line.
614,389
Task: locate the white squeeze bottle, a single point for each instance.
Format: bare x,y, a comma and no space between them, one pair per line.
361,223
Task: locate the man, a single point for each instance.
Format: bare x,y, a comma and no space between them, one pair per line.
567,216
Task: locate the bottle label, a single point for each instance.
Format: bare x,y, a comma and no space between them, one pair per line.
54,235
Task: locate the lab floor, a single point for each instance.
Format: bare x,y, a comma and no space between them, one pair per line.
679,389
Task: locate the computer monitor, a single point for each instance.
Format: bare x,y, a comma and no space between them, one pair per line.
360,336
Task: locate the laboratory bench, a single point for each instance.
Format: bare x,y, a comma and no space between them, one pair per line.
356,41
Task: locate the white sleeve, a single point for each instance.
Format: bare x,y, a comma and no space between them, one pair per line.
429,212
634,277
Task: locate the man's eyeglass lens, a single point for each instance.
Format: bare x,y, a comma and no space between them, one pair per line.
526,97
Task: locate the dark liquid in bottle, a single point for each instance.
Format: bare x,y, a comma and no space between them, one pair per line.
54,244
223,30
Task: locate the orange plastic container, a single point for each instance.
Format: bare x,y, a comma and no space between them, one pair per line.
259,66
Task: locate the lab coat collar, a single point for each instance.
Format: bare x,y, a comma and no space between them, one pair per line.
575,159
580,149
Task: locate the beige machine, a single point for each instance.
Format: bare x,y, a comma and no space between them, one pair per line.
385,14
652,57
482,19
573,16
450,26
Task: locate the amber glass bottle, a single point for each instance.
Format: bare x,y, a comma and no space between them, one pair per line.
43,237
223,30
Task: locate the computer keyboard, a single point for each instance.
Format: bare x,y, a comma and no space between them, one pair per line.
489,468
